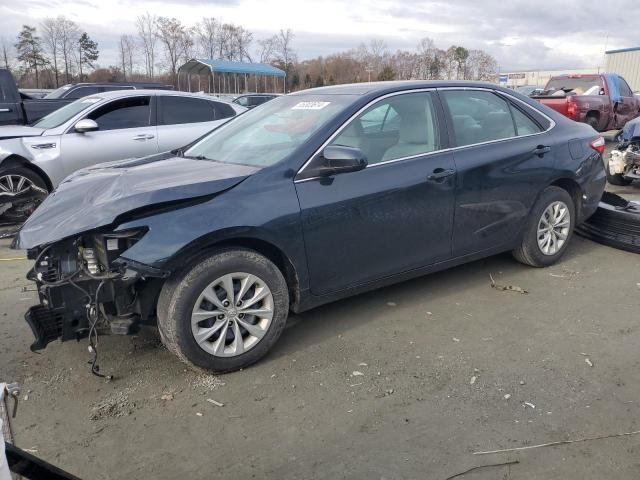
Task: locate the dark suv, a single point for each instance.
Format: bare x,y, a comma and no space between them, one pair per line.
79,90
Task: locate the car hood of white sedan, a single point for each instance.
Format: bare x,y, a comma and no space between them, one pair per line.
18,131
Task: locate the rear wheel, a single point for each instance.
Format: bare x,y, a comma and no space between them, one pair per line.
21,191
224,312
593,121
549,229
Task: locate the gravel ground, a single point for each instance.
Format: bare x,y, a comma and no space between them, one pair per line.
404,382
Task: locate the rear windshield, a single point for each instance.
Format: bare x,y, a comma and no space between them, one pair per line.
60,116
575,86
58,93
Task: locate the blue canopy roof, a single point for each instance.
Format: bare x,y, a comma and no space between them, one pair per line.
201,65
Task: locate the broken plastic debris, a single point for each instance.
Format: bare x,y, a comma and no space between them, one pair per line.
198,414
473,380
356,373
217,404
588,362
507,396
455,339
529,404
362,364
507,288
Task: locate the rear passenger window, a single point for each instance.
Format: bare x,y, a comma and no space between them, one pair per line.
524,125
478,116
223,110
177,110
400,126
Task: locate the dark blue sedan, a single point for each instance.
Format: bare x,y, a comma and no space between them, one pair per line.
313,197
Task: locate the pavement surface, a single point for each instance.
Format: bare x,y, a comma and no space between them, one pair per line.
406,382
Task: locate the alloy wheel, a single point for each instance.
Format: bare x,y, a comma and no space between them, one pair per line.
13,185
232,314
553,228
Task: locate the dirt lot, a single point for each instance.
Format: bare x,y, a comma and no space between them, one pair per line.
404,382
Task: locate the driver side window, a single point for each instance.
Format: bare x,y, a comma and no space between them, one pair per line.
400,126
132,112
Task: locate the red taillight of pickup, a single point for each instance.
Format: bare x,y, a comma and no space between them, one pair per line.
572,108
598,145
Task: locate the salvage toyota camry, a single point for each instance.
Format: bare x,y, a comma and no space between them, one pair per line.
310,198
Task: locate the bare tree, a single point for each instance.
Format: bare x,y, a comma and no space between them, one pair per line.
148,32
51,37
206,36
175,38
6,53
267,47
127,49
69,36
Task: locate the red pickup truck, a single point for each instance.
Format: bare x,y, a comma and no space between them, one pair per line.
604,101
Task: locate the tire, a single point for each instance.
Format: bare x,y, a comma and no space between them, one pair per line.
530,252
183,291
616,223
20,211
616,178
593,121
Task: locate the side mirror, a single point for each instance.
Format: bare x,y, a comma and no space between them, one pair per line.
85,125
339,159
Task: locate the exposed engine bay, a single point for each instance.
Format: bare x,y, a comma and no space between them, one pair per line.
625,160
86,290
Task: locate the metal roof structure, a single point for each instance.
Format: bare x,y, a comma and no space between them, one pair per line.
200,66
622,50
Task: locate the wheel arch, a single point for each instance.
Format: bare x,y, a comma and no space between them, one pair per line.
572,188
267,248
18,161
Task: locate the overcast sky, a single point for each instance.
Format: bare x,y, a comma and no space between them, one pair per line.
520,34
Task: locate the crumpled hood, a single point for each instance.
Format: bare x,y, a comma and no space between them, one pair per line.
96,196
11,131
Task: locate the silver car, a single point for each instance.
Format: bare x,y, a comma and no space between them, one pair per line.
104,127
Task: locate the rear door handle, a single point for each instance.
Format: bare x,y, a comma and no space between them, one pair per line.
541,150
440,174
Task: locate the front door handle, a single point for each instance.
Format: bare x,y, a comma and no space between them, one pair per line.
440,174
143,136
540,150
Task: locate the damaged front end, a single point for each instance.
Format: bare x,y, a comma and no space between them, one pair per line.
625,160
86,289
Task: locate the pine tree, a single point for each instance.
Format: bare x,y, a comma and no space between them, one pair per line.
87,52
30,53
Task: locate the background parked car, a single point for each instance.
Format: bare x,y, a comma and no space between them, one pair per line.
254,99
313,197
109,126
18,108
529,90
603,101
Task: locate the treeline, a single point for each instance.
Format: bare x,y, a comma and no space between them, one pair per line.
58,51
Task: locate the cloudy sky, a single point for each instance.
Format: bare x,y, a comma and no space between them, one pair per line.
520,34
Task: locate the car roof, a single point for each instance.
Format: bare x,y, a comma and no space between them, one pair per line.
390,86
170,93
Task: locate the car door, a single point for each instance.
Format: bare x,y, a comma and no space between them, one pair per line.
182,119
503,159
627,108
393,216
125,130
10,105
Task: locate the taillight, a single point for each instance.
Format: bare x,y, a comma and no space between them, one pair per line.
598,145
572,107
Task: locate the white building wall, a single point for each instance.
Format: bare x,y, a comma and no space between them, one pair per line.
539,78
627,65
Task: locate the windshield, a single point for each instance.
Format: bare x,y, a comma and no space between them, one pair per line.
266,135
58,117
58,92
591,85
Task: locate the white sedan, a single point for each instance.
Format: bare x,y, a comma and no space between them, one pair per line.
108,126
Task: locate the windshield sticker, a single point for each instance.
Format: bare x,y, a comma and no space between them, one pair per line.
310,105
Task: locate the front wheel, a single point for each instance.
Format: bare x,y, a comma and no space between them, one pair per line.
549,229
225,311
21,191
